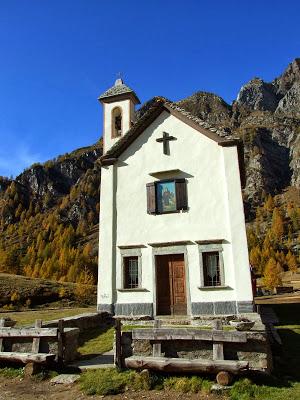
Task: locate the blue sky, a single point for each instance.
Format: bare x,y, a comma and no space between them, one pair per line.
57,56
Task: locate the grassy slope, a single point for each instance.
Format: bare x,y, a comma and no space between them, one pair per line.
38,291
28,317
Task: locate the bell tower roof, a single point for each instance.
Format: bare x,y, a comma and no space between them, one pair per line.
119,90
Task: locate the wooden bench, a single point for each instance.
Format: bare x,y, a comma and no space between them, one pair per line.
157,335
36,334
185,365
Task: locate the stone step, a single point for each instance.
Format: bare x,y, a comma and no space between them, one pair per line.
105,360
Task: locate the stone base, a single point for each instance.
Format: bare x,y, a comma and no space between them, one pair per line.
222,308
106,308
145,310
123,310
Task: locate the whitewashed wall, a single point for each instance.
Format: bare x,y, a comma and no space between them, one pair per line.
215,211
127,107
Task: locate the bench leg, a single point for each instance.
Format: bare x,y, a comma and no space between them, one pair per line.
31,369
224,378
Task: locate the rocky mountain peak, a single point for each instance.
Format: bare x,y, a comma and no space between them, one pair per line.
209,107
282,95
258,95
289,77
288,88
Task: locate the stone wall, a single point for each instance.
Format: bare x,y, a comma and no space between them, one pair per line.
83,321
79,323
256,350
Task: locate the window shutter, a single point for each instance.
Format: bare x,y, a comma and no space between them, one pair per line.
151,198
181,194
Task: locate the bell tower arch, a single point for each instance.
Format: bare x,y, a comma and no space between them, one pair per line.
118,112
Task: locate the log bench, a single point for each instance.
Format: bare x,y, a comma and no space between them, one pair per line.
36,334
26,358
185,365
217,365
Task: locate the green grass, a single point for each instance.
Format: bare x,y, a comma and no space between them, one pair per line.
96,341
28,317
187,384
108,381
244,389
99,340
11,372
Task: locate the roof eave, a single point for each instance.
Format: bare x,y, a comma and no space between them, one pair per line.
120,96
211,135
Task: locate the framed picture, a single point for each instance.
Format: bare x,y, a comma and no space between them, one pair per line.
166,196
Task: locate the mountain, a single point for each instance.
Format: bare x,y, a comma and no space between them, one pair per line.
49,213
49,217
266,117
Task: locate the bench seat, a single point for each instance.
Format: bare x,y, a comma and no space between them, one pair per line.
185,365
26,357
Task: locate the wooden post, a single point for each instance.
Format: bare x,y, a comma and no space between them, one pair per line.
224,378
218,351
2,324
156,350
118,343
36,341
60,343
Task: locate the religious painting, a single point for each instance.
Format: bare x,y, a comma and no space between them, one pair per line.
166,196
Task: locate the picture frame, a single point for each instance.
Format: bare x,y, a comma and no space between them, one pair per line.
166,196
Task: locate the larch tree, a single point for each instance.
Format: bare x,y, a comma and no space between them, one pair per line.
272,274
277,228
291,261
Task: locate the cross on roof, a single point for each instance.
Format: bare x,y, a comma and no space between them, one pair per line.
165,140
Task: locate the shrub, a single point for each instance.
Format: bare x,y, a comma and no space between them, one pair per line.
11,372
9,307
185,384
141,381
180,384
108,381
206,386
196,384
243,389
15,297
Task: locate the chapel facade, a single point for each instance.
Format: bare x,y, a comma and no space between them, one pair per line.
172,229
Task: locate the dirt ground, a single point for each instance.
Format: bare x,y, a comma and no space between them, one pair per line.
28,389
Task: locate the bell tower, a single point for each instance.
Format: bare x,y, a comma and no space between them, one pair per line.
118,112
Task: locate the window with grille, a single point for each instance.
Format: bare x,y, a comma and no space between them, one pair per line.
131,272
211,268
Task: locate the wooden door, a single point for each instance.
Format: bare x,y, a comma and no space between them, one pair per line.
170,284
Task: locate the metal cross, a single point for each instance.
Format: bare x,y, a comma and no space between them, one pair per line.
165,140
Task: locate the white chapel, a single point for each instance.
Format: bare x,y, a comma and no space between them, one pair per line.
172,228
